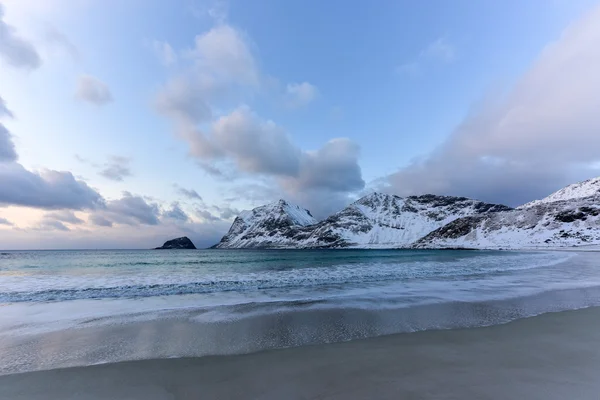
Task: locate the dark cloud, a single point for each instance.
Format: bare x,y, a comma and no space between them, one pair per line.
4,111
207,215
93,90
7,147
99,220
64,216
4,221
117,168
176,213
14,50
47,189
189,193
226,212
334,167
51,225
540,136
132,209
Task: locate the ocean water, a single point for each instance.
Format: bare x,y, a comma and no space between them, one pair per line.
62,308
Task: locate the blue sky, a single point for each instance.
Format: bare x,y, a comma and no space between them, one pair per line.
138,103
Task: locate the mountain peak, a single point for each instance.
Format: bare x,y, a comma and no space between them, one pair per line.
587,188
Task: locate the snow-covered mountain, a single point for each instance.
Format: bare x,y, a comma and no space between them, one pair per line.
568,221
272,225
588,188
375,221
568,217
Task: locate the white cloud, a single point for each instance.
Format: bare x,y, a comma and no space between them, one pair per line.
529,142
93,90
300,94
224,53
222,72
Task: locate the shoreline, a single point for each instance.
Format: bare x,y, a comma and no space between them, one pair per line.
550,356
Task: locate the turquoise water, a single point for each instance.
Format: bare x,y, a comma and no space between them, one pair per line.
54,276
64,308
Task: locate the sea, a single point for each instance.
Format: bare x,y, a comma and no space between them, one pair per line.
69,308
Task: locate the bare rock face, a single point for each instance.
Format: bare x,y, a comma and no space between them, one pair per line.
180,243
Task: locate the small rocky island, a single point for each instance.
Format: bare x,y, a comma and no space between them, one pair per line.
179,243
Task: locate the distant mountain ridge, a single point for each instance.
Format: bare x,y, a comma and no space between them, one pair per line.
567,217
375,221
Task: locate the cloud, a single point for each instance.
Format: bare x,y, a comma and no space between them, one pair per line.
185,99
410,68
47,189
164,52
4,221
207,215
243,142
255,146
130,209
300,94
224,53
117,168
55,221
99,220
176,213
333,167
220,62
7,147
60,41
64,216
133,209
222,71
189,193
226,212
93,90
440,50
541,135
14,50
4,111
51,225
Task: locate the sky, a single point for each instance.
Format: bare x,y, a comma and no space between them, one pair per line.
127,123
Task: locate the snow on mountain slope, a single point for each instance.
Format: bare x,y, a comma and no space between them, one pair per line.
387,221
571,222
588,188
272,225
374,221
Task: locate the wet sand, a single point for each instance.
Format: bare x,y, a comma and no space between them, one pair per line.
552,356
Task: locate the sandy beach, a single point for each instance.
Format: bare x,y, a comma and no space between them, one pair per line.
552,356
